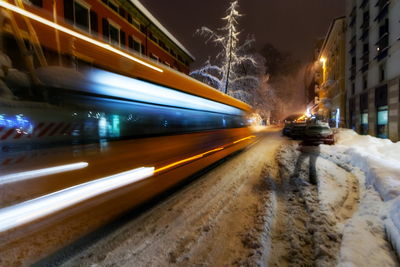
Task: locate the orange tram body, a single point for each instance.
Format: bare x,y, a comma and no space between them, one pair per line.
81,120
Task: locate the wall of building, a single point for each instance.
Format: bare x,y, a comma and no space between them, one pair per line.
331,90
378,73
131,24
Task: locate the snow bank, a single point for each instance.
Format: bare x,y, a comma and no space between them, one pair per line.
378,158
392,225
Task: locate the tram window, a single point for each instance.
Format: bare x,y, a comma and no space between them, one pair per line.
81,16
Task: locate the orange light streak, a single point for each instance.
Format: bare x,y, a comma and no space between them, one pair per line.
246,138
169,166
78,35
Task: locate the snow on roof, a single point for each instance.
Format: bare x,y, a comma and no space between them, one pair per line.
160,26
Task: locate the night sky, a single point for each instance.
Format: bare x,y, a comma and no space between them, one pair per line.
290,25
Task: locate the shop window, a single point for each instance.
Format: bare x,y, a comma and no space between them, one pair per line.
364,113
382,122
381,103
364,123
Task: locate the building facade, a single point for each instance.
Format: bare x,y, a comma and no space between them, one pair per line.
125,24
330,89
373,67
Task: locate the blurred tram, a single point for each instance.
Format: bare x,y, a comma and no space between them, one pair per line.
89,131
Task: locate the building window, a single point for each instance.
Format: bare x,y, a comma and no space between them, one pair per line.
382,73
114,34
81,16
364,113
173,53
154,57
135,23
381,103
135,44
78,13
114,6
38,3
152,37
365,82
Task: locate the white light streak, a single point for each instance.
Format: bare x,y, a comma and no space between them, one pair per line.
20,176
25,212
74,33
112,84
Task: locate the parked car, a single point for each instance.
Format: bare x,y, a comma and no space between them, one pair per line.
297,130
319,133
287,129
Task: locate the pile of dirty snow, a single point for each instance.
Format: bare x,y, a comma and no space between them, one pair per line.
379,159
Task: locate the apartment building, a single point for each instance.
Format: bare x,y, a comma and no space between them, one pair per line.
125,24
330,90
373,67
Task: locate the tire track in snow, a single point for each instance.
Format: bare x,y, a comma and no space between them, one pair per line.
217,220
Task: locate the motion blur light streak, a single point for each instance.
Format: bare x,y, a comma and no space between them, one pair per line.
74,33
201,155
111,84
246,138
25,212
20,176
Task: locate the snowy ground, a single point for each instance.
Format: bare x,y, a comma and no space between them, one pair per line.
261,208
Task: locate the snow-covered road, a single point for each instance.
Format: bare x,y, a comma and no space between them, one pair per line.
256,209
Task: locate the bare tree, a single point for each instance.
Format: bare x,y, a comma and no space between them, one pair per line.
230,71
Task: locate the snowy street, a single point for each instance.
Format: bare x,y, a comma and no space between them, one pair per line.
258,208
